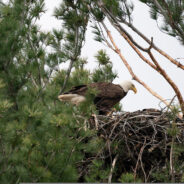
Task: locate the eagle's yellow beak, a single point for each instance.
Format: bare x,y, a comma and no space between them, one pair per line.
133,88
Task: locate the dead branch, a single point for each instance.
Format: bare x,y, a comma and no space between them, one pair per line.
117,50
139,159
175,62
112,168
133,44
169,80
96,121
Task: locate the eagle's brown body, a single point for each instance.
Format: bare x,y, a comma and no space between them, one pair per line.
107,96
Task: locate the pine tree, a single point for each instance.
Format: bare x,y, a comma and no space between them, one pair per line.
42,139
171,13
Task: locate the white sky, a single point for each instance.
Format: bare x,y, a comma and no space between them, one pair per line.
143,99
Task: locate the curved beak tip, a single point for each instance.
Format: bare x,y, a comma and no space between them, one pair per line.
134,89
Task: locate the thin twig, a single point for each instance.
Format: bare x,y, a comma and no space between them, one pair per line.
139,159
112,168
72,60
96,121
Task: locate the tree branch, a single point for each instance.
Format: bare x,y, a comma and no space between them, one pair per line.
169,80
133,44
72,60
178,64
117,50
112,168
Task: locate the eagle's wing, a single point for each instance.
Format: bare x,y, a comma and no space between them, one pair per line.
79,90
108,95
108,90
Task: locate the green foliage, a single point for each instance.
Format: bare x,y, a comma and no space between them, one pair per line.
173,131
41,138
37,8
102,58
172,115
114,7
104,73
88,107
129,178
95,175
175,110
161,175
98,35
177,149
172,16
99,16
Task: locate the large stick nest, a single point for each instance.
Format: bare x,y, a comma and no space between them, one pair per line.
144,142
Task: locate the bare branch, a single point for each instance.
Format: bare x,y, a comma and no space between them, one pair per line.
178,64
117,50
115,23
169,80
121,30
112,168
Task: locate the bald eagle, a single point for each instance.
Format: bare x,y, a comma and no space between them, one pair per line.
108,94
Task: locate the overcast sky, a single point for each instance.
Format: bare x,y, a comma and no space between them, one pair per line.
143,99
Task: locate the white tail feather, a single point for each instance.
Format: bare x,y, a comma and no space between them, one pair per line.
73,98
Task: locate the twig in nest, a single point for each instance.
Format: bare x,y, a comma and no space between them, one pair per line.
96,121
171,161
112,168
140,159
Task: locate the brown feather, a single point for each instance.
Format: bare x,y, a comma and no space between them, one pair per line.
108,94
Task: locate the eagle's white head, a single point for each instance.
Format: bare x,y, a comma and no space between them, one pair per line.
128,85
